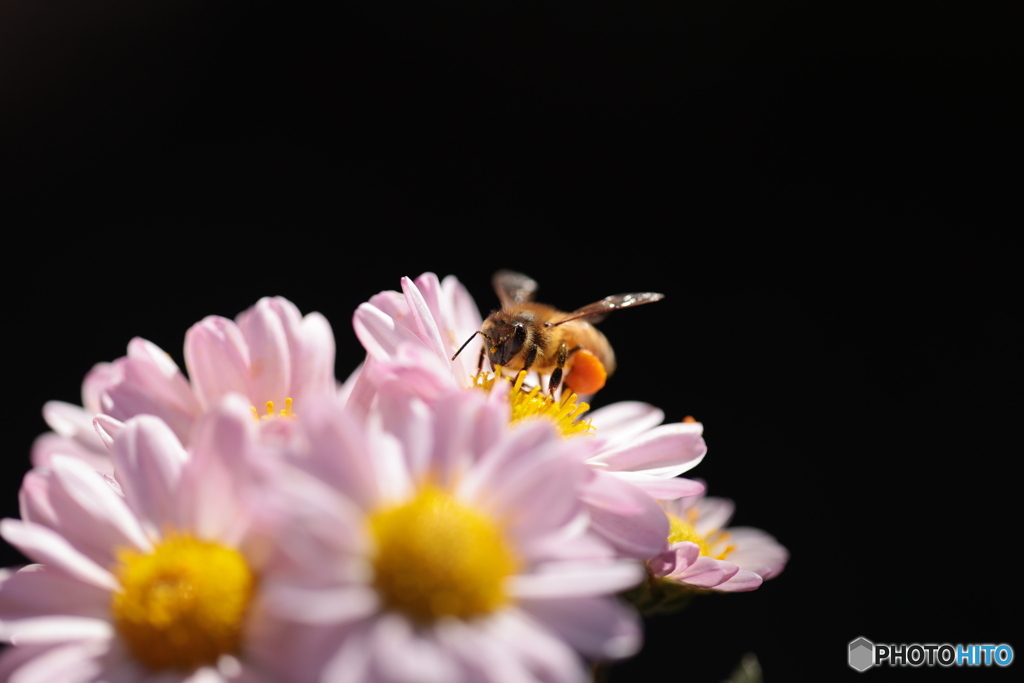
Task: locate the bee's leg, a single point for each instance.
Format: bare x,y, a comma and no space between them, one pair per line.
480,360
531,355
528,360
556,376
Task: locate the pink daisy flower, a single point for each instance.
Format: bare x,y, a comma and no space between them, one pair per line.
410,337
702,553
443,546
153,574
271,354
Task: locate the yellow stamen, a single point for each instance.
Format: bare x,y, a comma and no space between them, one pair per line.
184,604
286,412
438,557
680,531
564,412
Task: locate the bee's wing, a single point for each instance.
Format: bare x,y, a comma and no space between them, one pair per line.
599,309
513,288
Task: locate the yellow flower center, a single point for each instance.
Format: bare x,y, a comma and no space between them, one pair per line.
286,412
437,557
565,413
681,531
184,604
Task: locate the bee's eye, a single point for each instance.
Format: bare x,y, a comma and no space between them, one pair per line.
515,344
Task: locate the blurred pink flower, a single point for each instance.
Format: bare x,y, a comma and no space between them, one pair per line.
702,553
270,354
153,574
441,545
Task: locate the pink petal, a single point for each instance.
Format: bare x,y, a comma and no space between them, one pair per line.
598,627
320,605
35,591
217,359
573,579
359,391
415,370
101,376
739,582
91,515
44,501
570,543
463,314
351,662
107,428
217,476
706,572
77,662
757,551
58,628
152,369
624,421
715,513
47,547
511,647
34,498
665,451
661,489
151,385
149,460
460,318
524,478
675,559
625,516
206,674
270,368
49,444
392,304
379,333
72,422
423,317
412,423
538,499
313,358
335,450
402,653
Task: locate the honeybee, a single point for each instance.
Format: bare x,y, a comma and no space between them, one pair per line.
526,335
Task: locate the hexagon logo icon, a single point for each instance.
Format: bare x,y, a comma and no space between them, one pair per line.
862,654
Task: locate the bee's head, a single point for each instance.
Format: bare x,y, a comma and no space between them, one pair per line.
506,337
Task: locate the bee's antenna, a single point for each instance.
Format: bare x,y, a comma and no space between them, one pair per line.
469,340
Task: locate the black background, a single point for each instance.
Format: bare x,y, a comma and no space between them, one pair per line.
823,191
